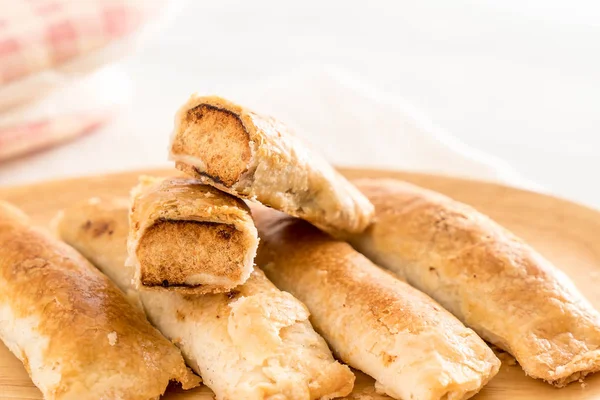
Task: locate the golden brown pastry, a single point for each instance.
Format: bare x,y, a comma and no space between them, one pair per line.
257,157
374,322
188,236
74,331
486,276
253,342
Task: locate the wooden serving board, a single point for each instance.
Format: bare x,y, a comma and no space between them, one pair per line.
567,233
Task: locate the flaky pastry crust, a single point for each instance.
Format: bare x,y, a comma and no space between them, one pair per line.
72,328
490,279
257,157
254,342
189,237
409,344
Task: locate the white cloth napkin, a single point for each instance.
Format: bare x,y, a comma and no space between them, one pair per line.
347,121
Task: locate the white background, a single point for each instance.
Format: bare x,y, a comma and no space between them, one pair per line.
519,79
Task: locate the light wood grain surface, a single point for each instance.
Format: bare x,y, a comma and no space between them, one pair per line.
564,232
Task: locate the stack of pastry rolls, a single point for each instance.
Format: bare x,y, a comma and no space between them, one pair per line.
252,265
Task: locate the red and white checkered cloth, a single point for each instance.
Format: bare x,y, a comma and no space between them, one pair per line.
37,136
40,34
42,37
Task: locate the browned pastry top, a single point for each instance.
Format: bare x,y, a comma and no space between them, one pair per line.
488,277
95,337
412,346
258,157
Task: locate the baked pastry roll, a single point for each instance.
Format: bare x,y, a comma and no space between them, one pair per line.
188,236
486,276
253,342
257,157
374,322
74,331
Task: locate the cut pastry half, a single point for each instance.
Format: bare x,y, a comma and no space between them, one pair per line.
188,236
257,157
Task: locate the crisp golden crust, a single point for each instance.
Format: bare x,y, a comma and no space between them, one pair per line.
373,321
73,329
253,342
493,281
189,237
257,157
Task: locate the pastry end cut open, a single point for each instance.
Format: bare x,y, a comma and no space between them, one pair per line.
195,256
213,135
190,237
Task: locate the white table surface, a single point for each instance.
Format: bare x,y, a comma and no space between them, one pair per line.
517,79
